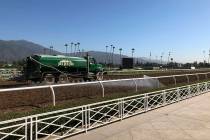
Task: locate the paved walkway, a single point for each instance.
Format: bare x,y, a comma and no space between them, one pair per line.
186,120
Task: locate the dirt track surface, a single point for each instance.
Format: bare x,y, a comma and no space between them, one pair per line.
43,97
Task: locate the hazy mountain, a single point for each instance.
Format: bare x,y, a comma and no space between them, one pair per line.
103,57
14,50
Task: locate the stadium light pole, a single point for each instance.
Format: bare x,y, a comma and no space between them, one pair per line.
66,45
113,55
75,49
133,50
120,56
110,55
78,45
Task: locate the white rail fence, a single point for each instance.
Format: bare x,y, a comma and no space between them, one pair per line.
68,122
134,84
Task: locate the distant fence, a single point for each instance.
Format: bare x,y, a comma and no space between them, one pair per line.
36,96
68,122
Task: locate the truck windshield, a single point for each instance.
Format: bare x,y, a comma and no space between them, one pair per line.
92,61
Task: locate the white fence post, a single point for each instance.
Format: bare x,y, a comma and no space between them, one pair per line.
102,87
32,123
197,77
53,94
86,118
198,89
178,94
83,118
136,86
36,128
174,80
188,80
121,109
189,91
158,83
164,97
145,102
31,128
26,128
206,87
123,103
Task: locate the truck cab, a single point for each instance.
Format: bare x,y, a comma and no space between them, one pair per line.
94,66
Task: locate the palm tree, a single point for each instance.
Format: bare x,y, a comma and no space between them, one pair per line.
78,46
120,49
79,53
71,46
120,55
110,55
75,49
133,50
66,45
113,54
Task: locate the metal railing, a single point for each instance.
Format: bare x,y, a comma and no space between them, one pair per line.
134,85
68,122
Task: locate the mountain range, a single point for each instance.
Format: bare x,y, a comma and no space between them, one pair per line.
15,50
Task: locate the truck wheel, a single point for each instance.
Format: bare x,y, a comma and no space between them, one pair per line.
63,78
70,79
99,76
88,79
77,80
49,79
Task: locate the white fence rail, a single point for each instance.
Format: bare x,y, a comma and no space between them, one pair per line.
134,84
68,122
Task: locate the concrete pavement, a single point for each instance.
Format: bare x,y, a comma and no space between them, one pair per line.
185,120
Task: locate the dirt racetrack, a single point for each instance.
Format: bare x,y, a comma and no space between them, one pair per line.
43,97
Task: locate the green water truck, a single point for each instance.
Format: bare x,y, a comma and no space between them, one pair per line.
60,68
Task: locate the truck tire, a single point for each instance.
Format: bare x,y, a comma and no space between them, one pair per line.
63,78
70,79
99,76
49,79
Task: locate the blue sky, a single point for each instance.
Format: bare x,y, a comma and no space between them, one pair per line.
180,26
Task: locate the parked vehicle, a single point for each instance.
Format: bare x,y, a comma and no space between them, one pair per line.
60,68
